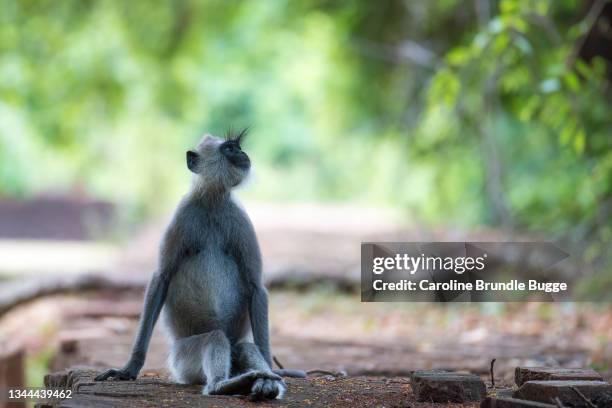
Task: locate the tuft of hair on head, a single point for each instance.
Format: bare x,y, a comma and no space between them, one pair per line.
236,136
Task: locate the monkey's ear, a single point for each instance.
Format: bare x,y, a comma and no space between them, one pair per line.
192,161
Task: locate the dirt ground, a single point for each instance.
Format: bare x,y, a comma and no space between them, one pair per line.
378,345
331,331
322,325
315,392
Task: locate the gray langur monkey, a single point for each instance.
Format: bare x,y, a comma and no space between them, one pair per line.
209,280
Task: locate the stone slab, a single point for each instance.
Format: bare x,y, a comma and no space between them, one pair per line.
524,374
569,392
491,402
444,386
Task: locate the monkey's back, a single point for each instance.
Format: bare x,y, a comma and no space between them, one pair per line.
207,292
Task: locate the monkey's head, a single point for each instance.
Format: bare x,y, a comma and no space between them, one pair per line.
220,164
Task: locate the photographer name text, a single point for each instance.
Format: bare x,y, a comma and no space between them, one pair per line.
478,285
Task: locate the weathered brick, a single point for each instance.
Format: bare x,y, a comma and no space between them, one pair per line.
512,403
443,386
524,374
569,392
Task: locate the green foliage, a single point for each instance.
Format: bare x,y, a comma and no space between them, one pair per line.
109,95
37,366
459,115
516,99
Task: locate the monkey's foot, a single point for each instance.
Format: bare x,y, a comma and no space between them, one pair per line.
257,384
117,375
267,389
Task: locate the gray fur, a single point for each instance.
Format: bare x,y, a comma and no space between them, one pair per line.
209,278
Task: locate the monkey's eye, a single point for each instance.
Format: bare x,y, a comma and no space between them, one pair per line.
232,148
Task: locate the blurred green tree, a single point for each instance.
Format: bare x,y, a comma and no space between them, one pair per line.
471,113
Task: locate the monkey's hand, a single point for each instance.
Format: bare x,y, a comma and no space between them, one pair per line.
129,372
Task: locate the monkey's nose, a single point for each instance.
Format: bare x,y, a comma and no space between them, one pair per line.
242,162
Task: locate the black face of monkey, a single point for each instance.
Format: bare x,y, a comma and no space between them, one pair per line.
231,150
219,164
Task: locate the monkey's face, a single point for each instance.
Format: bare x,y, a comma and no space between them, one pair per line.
219,163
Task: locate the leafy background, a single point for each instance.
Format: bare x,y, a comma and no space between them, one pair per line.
461,113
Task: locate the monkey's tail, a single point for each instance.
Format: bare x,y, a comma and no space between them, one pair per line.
283,372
